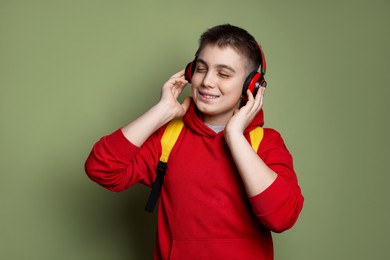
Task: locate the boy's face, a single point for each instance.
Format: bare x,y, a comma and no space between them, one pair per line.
217,83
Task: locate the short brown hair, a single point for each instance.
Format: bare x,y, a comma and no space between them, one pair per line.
239,39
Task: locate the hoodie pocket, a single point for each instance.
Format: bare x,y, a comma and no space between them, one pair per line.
227,249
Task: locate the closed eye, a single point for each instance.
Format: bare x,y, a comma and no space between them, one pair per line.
223,75
200,69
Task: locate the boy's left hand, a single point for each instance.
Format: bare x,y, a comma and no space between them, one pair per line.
243,116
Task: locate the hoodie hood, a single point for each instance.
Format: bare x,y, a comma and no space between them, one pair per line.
193,119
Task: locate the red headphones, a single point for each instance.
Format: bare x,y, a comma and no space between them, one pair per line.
253,82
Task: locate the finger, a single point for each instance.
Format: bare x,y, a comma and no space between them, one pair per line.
255,102
262,89
247,108
181,83
178,86
186,104
179,74
261,94
178,81
249,95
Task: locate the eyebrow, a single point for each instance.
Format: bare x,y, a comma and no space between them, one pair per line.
218,65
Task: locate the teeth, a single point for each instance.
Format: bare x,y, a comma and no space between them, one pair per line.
208,96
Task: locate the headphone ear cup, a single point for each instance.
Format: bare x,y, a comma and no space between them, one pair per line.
253,83
189,71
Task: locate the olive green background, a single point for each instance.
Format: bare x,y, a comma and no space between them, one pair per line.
73,71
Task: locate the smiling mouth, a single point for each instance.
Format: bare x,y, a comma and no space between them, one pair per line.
208,96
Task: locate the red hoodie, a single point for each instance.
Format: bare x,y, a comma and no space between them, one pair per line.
204,211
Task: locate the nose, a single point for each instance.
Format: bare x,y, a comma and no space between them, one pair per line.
209,80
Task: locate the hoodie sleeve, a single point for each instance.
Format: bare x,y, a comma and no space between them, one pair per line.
116,164
278,207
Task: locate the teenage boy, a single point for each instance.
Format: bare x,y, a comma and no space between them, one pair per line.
220,199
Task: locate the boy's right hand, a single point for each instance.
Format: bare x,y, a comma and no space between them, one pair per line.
170,92
165,110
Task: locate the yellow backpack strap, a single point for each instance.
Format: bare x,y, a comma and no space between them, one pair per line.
256,136
168,140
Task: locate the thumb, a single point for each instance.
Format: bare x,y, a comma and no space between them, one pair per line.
186,104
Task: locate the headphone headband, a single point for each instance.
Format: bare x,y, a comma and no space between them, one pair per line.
263,64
